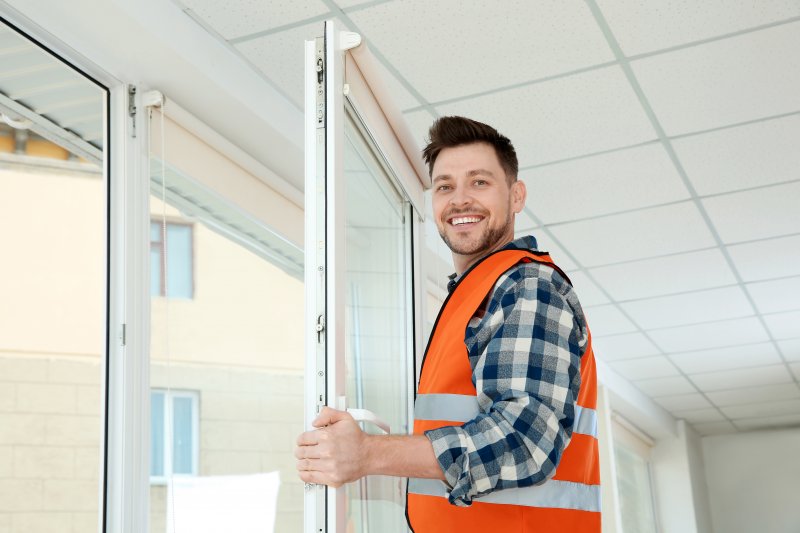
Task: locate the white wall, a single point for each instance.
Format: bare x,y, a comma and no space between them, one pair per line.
754,481
679,484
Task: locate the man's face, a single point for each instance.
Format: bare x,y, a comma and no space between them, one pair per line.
473,203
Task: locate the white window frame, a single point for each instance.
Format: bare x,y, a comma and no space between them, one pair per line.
351,76
169,439
123,458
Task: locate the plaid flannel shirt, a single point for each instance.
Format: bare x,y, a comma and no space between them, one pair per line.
525,352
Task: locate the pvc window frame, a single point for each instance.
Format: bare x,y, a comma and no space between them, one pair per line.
123,484
352,86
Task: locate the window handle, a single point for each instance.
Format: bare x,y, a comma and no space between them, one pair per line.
364,415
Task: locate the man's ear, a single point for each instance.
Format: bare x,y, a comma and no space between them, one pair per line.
518,195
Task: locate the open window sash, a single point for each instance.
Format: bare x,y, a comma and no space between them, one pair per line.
364,199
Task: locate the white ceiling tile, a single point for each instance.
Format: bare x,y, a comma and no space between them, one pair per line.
683,402
745,156
607,183
587,290
645,367
755,214
726,358
664,275
790,349
419,122
773,258
557,253
461,46
244,17
617,347
714,428
607,320
562,118
700,416
281,56
762,409
784,325
665,386
710,335
764,393
689,308
741,377
768,422
637,235
774,296
523,221
724,82
647,26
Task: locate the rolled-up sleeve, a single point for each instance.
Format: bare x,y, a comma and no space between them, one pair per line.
525,353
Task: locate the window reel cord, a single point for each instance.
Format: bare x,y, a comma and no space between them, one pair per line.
168,400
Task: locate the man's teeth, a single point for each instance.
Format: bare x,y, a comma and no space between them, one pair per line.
465,220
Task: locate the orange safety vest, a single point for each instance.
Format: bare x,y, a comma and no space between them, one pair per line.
570,501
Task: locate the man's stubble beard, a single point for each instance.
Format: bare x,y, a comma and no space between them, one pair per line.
486,243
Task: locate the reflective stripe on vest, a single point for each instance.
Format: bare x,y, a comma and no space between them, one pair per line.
463,408
553,493
570,500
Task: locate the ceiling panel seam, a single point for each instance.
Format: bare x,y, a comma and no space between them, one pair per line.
590,154
721,37
735,125
518,85
624,63
214,33
310,20
671,203
658,141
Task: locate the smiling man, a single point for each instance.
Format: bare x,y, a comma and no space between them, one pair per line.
505,432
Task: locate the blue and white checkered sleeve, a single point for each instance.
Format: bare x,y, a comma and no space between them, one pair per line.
525,353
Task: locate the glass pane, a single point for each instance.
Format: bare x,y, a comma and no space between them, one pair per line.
235,348
155,272
376,346
157,434
179,253
155,232
52,291
635,493
183,436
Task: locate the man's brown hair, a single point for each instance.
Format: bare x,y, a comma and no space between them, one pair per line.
449,132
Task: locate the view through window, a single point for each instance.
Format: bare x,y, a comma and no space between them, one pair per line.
53,286
226,355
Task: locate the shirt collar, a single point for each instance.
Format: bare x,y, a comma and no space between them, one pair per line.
527,242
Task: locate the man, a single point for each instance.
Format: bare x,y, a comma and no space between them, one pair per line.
505,430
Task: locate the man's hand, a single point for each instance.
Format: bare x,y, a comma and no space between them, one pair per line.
334,454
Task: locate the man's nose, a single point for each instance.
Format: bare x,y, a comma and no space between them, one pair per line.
460,196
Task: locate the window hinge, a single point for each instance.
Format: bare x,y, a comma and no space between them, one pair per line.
123,336
132,108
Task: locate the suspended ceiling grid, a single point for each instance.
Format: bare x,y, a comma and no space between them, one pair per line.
658,142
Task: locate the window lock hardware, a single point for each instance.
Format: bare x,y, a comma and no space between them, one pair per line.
320,327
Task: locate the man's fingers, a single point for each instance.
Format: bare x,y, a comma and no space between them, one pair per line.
319,478
308,438
329,416
307,452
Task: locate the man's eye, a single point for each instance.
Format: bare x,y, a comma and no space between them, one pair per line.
443,188
481,182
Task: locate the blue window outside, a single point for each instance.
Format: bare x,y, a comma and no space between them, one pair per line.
173,433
